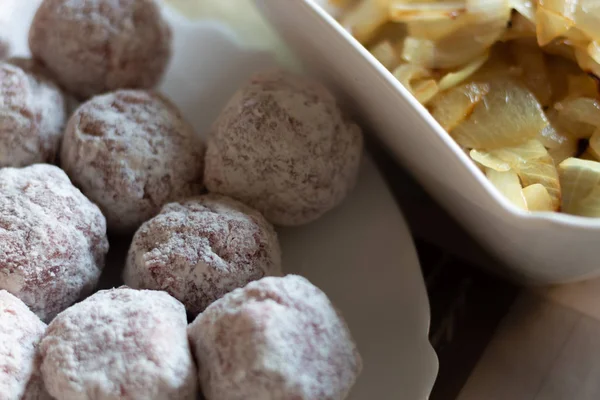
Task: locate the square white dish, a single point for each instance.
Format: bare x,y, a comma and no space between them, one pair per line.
537,248
361,254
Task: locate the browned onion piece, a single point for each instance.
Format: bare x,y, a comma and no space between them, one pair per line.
508,115
453,106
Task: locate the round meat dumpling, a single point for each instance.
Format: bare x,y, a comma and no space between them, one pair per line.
96,46
131,152
121,344
52,239
32,115
282,146
276,338
202,248
20,334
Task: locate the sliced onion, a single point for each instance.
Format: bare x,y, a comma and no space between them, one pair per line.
386,54
453,106
531,162
526,8
404,11
576,37
551,25
454,78
535,73
425,90
489,160
478,29
364,19
552,138
415,79
580,180
489,10
390,31
419,51
561,48
587,18
435,30
566,8
543,171
508,184
498,66
537,198
520,155
580,109
509,115
571,128
559,144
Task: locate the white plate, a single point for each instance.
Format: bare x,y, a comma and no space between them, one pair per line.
360,254
537,248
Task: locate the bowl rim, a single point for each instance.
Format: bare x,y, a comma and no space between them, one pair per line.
502,204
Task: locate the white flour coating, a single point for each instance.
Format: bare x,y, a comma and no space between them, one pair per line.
282,146
120,344
53,239
202,248
20,333
96,46
277,338
131,152
32,116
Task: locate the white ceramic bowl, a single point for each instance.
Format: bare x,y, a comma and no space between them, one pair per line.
537,248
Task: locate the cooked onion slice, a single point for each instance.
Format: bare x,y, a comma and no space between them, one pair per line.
416,80
526,8
454,78
537,198
530,161
587,17
469,36
489,160
508,116
404,11
434,30
582,110
453,106
386,54
551,25
580,180
560,144
508,184
365,18
535,73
